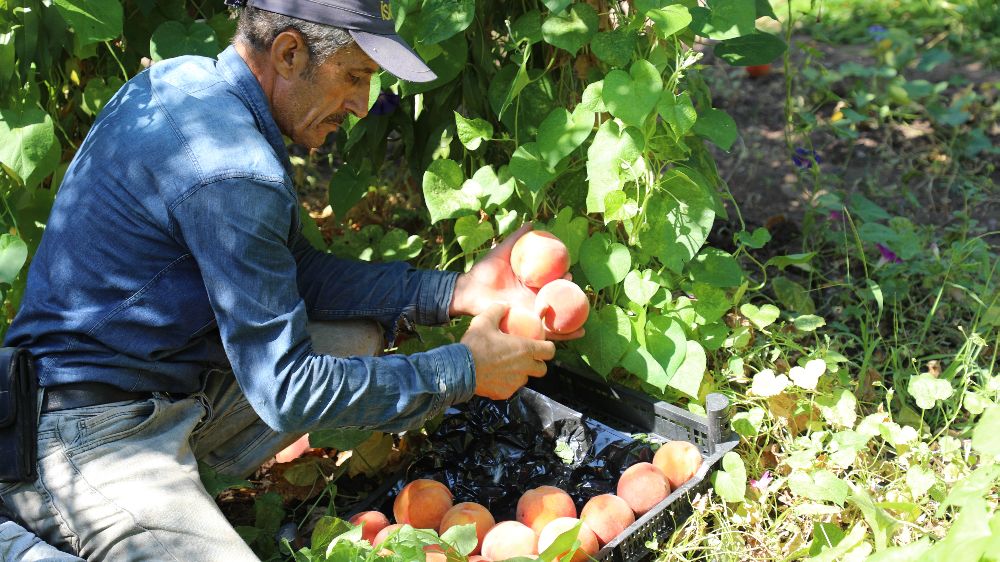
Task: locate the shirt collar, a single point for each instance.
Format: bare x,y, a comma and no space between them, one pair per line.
238,73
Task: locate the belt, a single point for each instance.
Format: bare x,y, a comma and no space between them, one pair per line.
82,394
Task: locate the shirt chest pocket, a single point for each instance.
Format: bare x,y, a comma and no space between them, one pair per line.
163,317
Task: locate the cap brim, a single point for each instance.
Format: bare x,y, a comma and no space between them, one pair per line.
394,55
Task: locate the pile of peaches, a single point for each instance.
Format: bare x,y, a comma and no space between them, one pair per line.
543,513
540,260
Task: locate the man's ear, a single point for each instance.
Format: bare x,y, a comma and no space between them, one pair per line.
289,54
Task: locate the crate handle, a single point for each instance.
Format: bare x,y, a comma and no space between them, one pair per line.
716,408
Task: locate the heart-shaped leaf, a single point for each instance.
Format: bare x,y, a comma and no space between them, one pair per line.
92,20
717,126
767,384
528,28
619,207
471,233
641,363
13,254
666,342
508,222
443,192
592,98
472,132
571,229
562,132
927,389
821,485
807,376
608,335
491,190
641,286
677,111
348,185
441,19
28,144
754,49
760,317
725,20
669,20
731,482
610,149
97,93
605,263
689,375
717,268
528,167
631,97
571,29
615,47
173,39
399,245
680,217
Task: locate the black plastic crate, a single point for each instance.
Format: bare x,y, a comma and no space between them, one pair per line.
626,410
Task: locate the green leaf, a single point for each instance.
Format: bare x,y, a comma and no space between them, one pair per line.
443,194
927,389
556,6
608,335
986,435
756,240
749,50
348,185
792,296
677,111
472,132
399,245
304,472
527,166
882,524
919,480
710,302
173,39
666,342
605,263
726,19
632,97
566,543
764,9
327,530
679,215
641,286
13,254
717,268
339,439
215,482
528,28
748,424
760,317
731,482
809,322
562,132
92,20
491,191
615,47
821,485
28,144
800,261
689,375
619,207
611,147
442,19
571,29
462,538
571,229
471,233
839,408
669,20
906,553
592,98
97,93
447,65
717,126
825,536
641,363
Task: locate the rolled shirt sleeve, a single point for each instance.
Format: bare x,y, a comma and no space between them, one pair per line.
242,232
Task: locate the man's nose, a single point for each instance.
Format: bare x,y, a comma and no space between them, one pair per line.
357,103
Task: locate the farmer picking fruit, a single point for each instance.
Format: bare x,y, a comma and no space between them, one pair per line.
172,306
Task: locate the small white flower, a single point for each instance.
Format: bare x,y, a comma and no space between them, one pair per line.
766,384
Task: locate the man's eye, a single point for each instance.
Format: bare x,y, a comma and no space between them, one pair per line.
355,79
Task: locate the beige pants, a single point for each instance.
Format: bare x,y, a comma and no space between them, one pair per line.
120,481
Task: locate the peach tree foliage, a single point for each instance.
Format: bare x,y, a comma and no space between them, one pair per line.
588,118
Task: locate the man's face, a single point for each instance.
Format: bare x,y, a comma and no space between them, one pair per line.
308,108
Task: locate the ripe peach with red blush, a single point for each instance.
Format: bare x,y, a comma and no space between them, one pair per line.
508,539
563,306
371,523
422,503
588,540
539,257
538,506
679,461
522,322
642,486
607,515
385,532
465,513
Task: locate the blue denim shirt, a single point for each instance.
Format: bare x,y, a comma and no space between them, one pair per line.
174,246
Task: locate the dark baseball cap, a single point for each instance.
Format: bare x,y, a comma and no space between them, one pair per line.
369,22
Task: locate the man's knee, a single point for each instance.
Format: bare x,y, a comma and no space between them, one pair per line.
18,544
347,338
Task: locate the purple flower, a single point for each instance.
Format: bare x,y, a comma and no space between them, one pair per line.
887,254
385,104
763,482
877,32
804,158
835,216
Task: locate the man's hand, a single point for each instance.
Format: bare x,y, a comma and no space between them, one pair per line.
503,362
492,280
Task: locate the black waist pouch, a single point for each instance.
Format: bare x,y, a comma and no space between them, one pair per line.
18,415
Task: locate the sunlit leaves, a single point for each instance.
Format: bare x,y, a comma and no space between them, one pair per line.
443,191
607,338
611,148
571,29
731,482
632,96
670,19
679,217
441,19
472,132
604,262
173,39
13,254
28,144
717,126
471,233
562,132
927,389
92,20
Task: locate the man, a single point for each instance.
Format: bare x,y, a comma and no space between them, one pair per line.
167,305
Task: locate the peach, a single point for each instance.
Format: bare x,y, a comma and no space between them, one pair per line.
563,305
538,506
522,322
371,523
607,515
478,558
294,451
538,257
436,557
642,486
588,540
678,460
385,532
422,503
465,513
508,539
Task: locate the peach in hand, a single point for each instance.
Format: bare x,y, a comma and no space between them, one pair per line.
607,515
678,460
522,322
538,506
539,257
642,486
422,503
563,305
